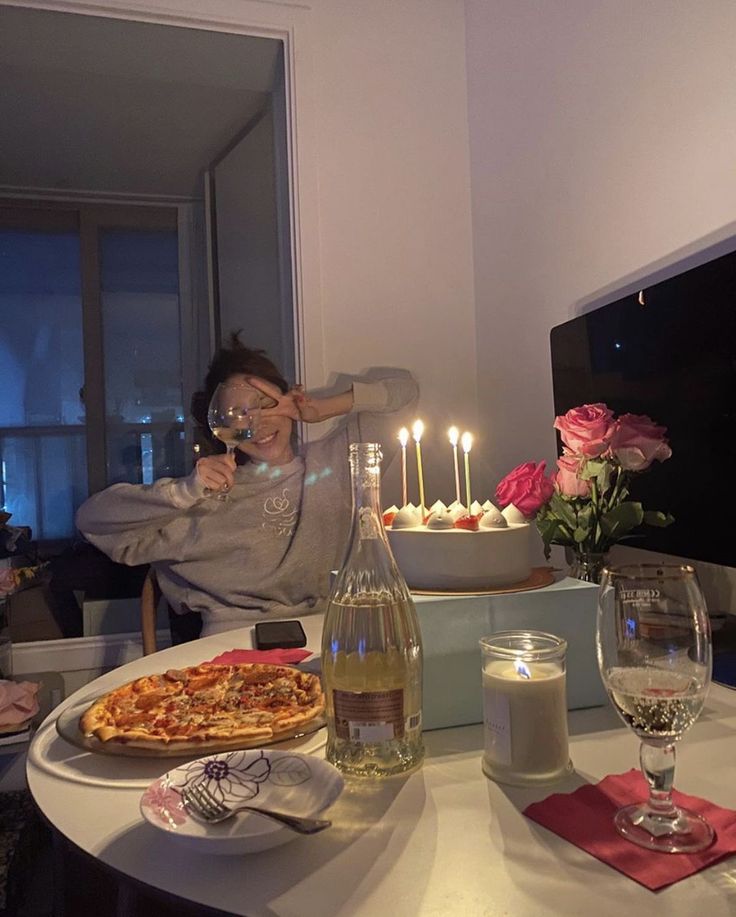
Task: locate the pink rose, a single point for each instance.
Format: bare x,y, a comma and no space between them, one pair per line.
586,430
566,477
526,487
637,441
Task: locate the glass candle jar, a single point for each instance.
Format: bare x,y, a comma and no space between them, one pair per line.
524,707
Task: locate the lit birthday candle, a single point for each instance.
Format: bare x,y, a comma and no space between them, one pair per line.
417,431
454,435
403,439
467,443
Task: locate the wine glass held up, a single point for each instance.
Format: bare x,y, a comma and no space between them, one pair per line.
655,657
233,416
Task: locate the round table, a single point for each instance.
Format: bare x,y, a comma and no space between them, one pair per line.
441,841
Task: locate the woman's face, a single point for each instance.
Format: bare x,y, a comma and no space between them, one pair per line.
272,442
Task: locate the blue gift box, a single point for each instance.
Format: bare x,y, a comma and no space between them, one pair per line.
452,626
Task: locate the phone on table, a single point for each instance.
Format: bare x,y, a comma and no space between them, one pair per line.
283,635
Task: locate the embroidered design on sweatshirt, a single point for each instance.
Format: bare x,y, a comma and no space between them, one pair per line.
279,515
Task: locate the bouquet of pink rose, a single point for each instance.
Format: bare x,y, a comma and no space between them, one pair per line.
585,504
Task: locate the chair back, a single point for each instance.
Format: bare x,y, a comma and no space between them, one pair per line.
150,598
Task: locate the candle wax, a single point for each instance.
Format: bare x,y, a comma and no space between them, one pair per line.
525,723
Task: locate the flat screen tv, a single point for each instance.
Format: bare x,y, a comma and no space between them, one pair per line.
668,351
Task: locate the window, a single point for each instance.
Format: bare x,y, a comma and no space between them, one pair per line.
90,345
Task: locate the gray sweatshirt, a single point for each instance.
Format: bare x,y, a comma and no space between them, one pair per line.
267,552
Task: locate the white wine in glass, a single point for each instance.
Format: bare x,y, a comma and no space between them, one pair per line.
233,416
655,657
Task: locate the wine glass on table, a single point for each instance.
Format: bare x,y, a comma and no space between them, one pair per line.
655,658
233,416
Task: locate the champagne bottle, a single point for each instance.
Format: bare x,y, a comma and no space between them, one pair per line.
371,645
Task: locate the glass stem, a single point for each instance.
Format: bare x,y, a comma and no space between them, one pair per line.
658,766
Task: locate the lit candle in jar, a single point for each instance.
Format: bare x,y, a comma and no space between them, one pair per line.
403,439
524,708
417,431
467,442
454,434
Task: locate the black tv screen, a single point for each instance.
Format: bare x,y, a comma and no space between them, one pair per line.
668,351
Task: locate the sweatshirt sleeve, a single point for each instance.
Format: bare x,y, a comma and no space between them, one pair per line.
129,522
380,407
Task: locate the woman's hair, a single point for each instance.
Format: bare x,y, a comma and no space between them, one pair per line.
229,361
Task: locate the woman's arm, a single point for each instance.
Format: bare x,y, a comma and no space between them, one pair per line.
389,394
132,523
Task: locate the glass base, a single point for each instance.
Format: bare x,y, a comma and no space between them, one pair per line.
679,832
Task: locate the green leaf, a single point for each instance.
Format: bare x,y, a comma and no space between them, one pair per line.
552,532
585,517
621,519
580,535
590,469
658,519
558,506
604,477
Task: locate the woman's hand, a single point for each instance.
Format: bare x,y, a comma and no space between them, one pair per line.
294,404
309,408
298,405
216,472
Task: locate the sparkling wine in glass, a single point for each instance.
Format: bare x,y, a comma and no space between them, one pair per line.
233,416
655,658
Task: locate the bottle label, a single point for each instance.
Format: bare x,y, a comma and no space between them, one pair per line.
369,716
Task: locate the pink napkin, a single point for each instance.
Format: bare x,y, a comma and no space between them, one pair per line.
277,657
18,702
585,818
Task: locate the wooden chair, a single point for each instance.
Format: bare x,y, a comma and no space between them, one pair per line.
183,627
150,598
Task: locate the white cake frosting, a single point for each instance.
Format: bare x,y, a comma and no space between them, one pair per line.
440,556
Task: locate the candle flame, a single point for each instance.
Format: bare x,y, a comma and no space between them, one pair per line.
417,430
522,669
403,436
467,441
454,434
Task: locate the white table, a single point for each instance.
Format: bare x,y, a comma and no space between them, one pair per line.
442,841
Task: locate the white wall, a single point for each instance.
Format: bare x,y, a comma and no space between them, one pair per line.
602,142
248,246
394,202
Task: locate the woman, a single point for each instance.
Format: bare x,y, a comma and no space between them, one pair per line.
267,551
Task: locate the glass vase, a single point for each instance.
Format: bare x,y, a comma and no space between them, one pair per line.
587,565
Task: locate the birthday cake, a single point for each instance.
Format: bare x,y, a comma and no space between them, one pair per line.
448,549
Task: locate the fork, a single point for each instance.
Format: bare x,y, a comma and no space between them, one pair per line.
206,808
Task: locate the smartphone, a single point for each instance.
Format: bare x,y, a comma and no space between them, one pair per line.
270,635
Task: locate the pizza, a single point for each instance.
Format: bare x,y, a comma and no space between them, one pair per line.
206,705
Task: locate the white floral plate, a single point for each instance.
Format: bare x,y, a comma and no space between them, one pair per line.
282,780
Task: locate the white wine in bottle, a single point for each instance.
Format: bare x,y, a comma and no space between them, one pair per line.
371,645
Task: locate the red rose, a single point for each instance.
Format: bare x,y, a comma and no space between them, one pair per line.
526,487
566,477
637,441
586,430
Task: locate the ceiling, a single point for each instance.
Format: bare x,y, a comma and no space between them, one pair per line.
107,105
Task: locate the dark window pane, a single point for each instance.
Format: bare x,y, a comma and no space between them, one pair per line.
40,329
143,384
